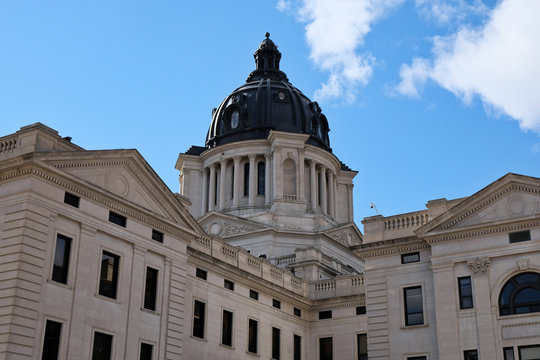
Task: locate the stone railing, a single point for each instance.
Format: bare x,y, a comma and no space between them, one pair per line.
412,220
340,286
283,260
8,144
290,197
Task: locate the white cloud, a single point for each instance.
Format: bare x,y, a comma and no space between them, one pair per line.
498,62
450,12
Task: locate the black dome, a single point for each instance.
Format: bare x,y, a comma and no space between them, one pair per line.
267,101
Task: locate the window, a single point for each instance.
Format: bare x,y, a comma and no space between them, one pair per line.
61,259
253,294
325,348
246,179
416,358
146,351
327,314
410,258
276,334
108,280
51,342
102,349
508,353
519,236
227,329
150,289
198,319
276,303
529,352
360,310
520,295
297,347
465,293
71,199
228,284
260,178
361,345
117,219
201,274
414,311
470,355
297,312
157,235
252,336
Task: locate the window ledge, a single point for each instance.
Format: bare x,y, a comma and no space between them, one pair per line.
466,312
65,286
103,297
153,312
410,327
252,354
197,338
227,346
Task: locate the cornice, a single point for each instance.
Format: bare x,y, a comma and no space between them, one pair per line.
389,247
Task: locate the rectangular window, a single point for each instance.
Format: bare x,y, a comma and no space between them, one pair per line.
157,236
253,294
327,314
276,335
360,310
325,349
117,219
414,310
276,303
146,351
51,342
102,349
465,293
297,312
519,236
361,345
198,319
108,280
61,259
297,343
252,336
201,274
410,258
71,199
227,330
508,353
150,289
470,355
228,284
416,358
529,352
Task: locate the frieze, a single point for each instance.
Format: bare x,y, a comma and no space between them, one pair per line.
223,228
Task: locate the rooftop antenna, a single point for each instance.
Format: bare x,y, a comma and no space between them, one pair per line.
373,206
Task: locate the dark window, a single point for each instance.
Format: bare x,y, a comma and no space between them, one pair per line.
226,333
150,289
260,178
360,310
361,345
71,199
470,355
297,312
410,258
51,342
246,179
276,303
61,259
327,314
414,311
325,349
198,319
117,219
157,235
146,351
276,335
465,293
416,358
520,295
531,352
252,336
297,347
519,236
508,353
102,349
201,274
253,294
108,280
228,284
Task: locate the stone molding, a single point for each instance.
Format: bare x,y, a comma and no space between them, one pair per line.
389,247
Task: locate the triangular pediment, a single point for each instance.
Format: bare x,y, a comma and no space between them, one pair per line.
347,235
225,226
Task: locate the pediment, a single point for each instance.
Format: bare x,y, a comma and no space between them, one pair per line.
347,235
224,226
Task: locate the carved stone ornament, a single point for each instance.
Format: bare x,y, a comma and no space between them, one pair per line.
479,266
224,228
523,264
343,237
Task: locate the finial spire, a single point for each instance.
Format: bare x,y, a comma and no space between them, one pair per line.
267,34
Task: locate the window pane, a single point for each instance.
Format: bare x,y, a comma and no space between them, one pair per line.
529,352
146,351
361,344
109,274
276,343
71,199
509,353
520,295
198,319
102,349
297,347
526,278
252,340
327,314
465,293
325,348
61,259
157,235
410,258
150,289
470,355
253,294
226,335
260,179
413,306
51,342
246,179
117,219
228,284
276,303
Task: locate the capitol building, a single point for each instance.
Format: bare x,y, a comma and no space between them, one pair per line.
257,256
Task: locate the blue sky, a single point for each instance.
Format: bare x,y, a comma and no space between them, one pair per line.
426,99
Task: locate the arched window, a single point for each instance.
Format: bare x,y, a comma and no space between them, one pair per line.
289,177
520,295
260,178
246,179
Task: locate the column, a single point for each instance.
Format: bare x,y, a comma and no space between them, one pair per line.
212,192
267,187
277,173
313,181
236,180
324,200
349,192
331,194
334,185
301,176
222,183
252,180
204,207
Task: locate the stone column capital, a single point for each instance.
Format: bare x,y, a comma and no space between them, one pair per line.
252,157
479,266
